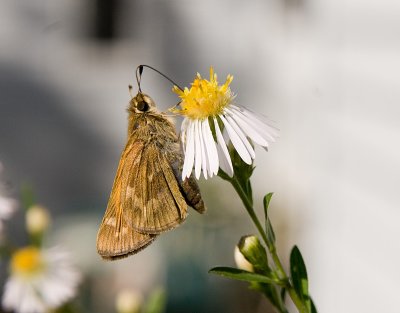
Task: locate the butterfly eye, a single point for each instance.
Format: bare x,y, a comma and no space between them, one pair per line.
142,106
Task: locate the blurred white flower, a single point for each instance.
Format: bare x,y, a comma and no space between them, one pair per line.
7,205
7,209
37,219
40,280
206,106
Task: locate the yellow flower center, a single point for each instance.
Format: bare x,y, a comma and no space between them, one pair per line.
204,98
26,261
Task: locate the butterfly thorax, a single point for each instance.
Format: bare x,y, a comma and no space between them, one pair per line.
152,127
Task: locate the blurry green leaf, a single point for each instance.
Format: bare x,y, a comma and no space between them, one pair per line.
283,294
66,308
239,274
299,276
36,239
313,308
27,196
156,302
268,226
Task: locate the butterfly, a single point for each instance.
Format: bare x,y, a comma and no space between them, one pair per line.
148,196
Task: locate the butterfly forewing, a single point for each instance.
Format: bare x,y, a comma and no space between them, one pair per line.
116,237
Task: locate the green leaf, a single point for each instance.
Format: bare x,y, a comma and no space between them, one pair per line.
313,308
267,200
238,274
299,276
268,226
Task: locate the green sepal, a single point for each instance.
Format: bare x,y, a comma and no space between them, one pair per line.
242,172
238,274
254,252
224,175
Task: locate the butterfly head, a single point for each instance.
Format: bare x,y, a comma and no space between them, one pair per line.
141,103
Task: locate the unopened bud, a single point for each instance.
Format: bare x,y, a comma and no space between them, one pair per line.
241,261
37,219
128,301
254,252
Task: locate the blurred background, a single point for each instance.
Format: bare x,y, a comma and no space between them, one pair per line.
328,73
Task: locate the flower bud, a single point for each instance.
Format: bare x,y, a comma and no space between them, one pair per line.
241,261
254,252
37,220
128,301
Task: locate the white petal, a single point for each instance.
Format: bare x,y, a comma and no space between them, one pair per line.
242,136
205,148
189,153
249,130
261,125
197,152
222,150
264,120
204,160
237,143
184,127
211,149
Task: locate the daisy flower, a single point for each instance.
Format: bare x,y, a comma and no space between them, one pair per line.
40,280
207,107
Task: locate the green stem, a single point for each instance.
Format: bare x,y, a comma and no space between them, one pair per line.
249,207
278,264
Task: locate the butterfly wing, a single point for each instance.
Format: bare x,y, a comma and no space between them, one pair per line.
117,238
153,193
188,187
113,245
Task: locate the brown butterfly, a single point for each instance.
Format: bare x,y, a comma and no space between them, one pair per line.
148,196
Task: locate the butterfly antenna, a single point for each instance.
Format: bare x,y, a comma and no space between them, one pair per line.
139,72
